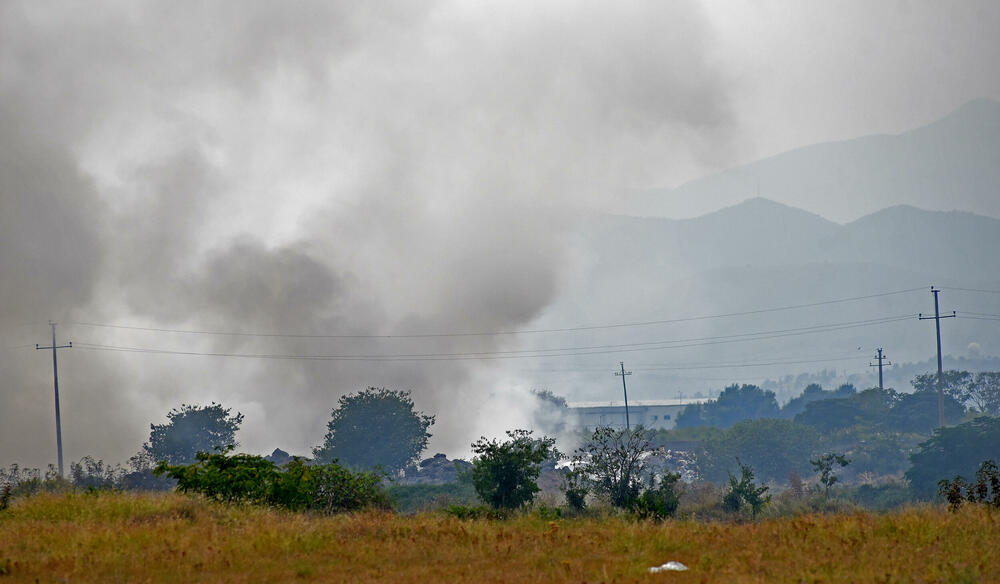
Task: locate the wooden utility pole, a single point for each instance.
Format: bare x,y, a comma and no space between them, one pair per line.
940,376
55,379
625,391
880,357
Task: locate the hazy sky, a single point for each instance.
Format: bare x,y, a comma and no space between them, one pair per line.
380,169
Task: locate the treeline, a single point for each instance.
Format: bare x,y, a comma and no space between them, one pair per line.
886,435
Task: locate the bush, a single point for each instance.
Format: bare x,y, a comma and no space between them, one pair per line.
658,501
773,448
328,488
612,463
575,489
416,498
744,493
986,489
504,473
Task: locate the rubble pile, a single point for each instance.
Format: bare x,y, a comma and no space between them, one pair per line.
437,470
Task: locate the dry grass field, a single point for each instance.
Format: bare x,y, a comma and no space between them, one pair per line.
175,538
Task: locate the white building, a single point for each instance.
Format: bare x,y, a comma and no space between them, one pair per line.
653,414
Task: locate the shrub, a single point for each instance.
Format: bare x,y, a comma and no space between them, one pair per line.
986,489
612,463
575,489
474,512
328,488
504,473
745,493
658,501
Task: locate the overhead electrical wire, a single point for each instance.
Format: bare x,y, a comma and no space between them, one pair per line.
497,333
524,353
971,290
664,367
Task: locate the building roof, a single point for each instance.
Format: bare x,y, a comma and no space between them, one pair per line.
639,403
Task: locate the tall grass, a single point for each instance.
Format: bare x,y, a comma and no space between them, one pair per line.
171,538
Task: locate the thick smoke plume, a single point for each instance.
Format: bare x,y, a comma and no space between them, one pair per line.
318,168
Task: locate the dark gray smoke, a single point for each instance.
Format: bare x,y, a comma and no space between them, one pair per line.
317,168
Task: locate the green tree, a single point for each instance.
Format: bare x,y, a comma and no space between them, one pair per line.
954,383
953,451
743,492
824,466
917,412
375,428
192,429
984,392
504,474
773,447
614,463
735,403
986,489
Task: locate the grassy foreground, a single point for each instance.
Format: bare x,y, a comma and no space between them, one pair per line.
175,538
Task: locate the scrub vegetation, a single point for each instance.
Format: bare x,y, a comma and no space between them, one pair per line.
103,536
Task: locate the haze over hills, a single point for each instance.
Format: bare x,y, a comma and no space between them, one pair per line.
761,254
953,163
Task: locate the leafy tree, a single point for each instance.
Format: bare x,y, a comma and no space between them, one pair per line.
773,447
868,408
831,415
375,428
614,463
879,455
504,473
917,412
824,466
744,493
984,392
954,383
735,403
986,489
796,405
953,451
192,429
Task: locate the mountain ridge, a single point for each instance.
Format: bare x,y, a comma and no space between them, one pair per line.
951,163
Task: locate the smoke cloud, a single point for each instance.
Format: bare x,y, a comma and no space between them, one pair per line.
319,168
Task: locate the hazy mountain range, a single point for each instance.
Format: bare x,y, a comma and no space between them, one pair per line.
888,230
760,255
953,163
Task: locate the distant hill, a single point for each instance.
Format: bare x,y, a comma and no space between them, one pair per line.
761,233
761,254
953,163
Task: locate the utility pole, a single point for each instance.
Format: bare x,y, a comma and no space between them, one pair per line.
940,377
880,358
625,391
55,378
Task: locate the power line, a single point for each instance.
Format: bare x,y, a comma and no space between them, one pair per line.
663,366
519,354
971,290
498,333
